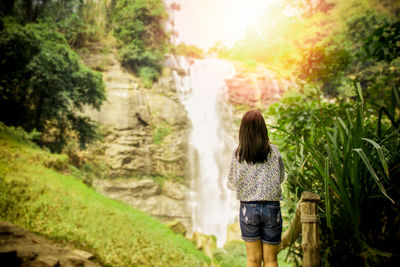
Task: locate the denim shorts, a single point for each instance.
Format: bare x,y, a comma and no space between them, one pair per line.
261,220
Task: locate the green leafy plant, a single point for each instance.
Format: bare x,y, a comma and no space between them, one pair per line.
20,135
355,171
160,132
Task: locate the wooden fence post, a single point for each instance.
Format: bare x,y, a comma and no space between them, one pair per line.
310,229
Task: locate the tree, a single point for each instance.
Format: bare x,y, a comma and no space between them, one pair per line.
43,85
384,42
139,27
174,7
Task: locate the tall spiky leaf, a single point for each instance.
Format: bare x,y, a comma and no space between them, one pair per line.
373,173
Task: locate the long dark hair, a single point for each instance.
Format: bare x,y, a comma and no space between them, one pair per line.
254,144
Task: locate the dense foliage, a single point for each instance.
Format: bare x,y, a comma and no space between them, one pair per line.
337,152
139,27
73,18
340,140
43,84
348,152
324,44
189,51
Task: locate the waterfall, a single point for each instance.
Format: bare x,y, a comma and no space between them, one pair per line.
203,93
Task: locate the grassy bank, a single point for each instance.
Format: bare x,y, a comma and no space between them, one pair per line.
61,207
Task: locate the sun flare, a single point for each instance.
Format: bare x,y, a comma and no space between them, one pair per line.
240,16
203,23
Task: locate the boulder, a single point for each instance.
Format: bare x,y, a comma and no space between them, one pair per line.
83,254
208,243
47,261
19,247
177,227
233,232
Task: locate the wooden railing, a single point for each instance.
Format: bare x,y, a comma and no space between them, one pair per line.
306,219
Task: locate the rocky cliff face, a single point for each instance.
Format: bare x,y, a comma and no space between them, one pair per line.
147,135
148,127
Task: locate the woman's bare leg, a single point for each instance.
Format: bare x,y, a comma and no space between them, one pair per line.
270,255
254,253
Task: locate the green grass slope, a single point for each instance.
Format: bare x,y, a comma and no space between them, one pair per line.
61,207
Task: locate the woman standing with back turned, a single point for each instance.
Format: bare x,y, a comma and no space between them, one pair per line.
256,175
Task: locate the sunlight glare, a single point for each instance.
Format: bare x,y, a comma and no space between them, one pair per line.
203,23
290,11
241,15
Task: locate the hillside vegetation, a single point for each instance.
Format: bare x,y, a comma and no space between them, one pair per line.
34,195
43,82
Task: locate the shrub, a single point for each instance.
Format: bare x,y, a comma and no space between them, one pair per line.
341,157
44,86
139,27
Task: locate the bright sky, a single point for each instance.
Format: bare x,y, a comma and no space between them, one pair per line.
204,22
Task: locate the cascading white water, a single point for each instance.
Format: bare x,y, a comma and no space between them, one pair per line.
203,93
